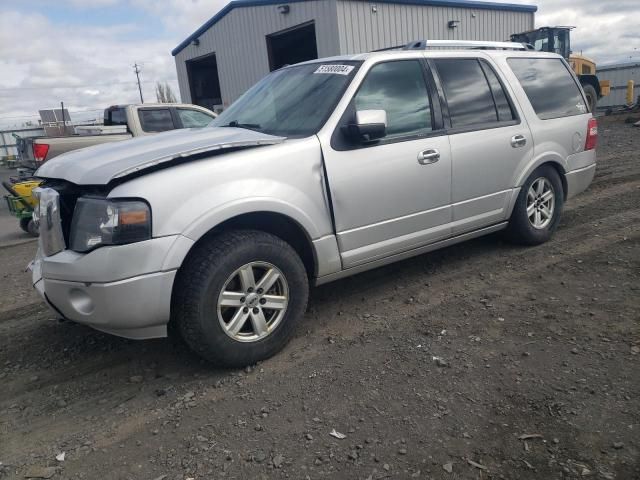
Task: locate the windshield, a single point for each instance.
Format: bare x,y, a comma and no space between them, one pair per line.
291,102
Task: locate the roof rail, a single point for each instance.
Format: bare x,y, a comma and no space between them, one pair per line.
464,44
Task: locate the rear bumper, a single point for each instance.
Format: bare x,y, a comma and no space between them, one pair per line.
578,180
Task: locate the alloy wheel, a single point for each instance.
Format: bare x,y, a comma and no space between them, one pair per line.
541,203
253,301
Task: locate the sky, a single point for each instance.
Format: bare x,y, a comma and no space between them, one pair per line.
82,52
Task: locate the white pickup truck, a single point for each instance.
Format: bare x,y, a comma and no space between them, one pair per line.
121,122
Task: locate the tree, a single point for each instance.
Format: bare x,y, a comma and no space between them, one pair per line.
164,94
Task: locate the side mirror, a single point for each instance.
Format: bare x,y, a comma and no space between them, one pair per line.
369,125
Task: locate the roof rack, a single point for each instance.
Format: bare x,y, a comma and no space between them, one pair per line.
464,44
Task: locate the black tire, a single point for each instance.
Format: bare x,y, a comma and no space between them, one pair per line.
521,229
592,96
29,226
24,224
32,229
201,279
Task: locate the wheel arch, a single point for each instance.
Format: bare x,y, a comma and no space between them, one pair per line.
553,162
276,223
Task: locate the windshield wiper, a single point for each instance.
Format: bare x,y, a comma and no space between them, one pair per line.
236,124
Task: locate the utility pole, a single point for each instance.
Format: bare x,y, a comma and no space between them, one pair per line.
136,69
64,122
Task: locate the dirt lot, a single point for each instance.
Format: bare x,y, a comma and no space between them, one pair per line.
541,342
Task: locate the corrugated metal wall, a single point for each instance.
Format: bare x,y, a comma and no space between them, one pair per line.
239,43
619,75
342,26
363,30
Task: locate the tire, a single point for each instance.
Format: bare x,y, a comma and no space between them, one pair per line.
225,263
592,96
29,226
32,229
538,227
24,224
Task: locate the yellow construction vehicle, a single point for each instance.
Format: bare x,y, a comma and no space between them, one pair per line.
558,40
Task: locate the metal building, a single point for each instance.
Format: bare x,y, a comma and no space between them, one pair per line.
249,38
619,75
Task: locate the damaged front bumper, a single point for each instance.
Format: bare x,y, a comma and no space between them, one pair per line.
132,298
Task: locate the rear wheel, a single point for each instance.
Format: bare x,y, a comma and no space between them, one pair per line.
239,296
537,211
592,96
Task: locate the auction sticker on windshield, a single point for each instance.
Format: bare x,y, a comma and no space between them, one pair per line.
335,69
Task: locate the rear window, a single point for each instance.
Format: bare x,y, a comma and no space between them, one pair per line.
158,120
550,86
115,116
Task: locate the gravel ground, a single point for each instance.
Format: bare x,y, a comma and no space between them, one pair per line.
483,360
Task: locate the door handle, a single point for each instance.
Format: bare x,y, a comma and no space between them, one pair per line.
428,156
518,141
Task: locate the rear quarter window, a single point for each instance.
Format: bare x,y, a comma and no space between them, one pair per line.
550,87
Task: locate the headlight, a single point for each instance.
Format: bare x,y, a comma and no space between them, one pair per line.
98,221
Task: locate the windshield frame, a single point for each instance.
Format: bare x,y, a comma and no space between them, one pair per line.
331,107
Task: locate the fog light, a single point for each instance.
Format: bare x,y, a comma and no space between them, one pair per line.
81,301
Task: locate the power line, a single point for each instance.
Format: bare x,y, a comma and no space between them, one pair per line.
136,69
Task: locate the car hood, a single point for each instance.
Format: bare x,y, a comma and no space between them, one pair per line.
100,164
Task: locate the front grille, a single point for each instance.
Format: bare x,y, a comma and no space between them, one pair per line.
67,206
68,194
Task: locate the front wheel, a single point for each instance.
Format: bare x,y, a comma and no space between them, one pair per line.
239,296
537,211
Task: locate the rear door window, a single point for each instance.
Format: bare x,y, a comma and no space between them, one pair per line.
156,120
503,107
550,87
469,89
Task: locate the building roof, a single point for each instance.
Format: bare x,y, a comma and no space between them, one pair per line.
432,3
618,66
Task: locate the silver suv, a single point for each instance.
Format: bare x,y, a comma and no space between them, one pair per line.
321,170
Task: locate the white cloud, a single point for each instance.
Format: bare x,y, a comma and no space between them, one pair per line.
86,67
606,31
182,16
91,3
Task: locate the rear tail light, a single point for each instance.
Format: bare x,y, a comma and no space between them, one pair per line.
40,151
592,134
